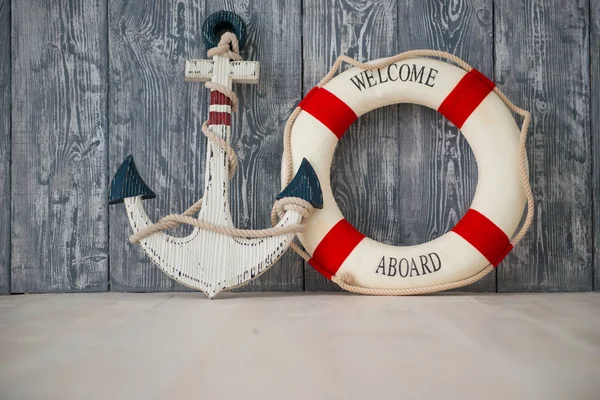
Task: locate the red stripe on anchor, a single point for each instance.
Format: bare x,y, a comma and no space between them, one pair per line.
219,118
466,97
218,98
484,235
329,110
334,248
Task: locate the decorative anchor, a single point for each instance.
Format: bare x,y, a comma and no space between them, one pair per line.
216,256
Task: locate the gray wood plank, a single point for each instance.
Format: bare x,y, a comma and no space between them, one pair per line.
5,146
59,182
274,40
154,115
542,64
437,169
364,177
381,165
595,127
157,116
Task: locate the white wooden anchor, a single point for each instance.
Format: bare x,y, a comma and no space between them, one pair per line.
207,260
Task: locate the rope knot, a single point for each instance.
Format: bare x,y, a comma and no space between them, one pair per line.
297,204
229,45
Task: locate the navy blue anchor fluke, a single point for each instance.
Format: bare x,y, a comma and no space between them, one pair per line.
304,185
127,182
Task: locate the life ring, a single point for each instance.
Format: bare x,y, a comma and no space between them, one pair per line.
480,240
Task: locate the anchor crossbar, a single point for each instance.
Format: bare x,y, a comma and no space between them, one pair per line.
239,71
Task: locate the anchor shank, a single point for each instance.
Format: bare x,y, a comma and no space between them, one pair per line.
216,181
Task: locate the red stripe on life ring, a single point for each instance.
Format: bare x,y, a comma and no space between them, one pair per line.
329,110
334,248
484,235
466,97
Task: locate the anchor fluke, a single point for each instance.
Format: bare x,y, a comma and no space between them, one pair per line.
304,185
127,182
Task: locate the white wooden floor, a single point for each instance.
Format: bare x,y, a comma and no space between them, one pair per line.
300,346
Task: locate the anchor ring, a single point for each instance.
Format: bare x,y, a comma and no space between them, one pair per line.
219,23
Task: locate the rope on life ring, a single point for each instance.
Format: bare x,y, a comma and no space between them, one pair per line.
343,280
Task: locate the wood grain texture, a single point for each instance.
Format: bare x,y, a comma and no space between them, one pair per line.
365,179
595,128
542,64
156,116
274,40
59,182
5,146
437,171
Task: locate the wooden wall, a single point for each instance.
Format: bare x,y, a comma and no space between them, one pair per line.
59,146
595,130
84,83
5,146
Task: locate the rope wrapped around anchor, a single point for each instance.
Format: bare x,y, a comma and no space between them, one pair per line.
229,46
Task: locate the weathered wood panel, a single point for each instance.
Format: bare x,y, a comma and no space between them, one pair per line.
595,128
402,175
542,63
156,116
437,171
364,176
4,146
274,40
59,220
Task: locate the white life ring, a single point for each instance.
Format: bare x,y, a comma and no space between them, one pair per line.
480,240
